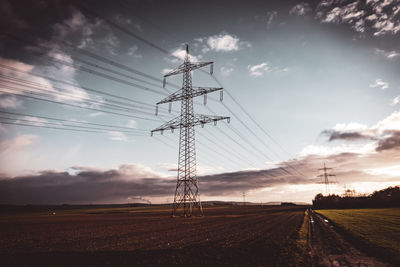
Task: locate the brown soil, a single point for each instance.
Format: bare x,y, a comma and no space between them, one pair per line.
329,248
226,236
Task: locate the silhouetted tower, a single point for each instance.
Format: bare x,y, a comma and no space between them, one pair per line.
187,194
244,198
325,177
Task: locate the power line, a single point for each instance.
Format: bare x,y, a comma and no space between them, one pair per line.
32,73
60,128
94,56
79,59
77,106
100,74
80,98
23,82
71,121
166,52
253,120
17,120
92,12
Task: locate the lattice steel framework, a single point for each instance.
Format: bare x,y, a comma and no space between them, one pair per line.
187,196
326,176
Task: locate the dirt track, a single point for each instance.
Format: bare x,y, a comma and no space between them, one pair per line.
328,248
235,236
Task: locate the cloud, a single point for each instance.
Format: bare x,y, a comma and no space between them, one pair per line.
18,152
96,114
120,19
78,28
385,134
119,136
363,166
325,150
2,128
33,120
268,18
91,33
131,124
336,135
360,166
226,71
257,70
9,101
166,70
129,181
133,51
17,142
301,9
271,15
92,185
388,54
223,42
179,54
353,126
26,73
392,141
87,186
373,16
396,100
264,67
380,84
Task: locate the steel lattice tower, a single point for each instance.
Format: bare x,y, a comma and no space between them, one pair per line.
326,181
187,196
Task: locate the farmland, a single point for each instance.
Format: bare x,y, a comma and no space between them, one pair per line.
376,230
227,235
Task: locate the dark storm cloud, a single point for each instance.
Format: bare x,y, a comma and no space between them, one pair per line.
113,186
338,135
85,187
228,183
134,183
388,139
390,142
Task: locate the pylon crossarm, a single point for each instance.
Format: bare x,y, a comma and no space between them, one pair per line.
197,91
175,123
182,68
199,119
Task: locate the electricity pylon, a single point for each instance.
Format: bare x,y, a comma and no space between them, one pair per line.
326,175
187,189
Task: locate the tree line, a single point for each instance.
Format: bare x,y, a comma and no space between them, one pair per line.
385,198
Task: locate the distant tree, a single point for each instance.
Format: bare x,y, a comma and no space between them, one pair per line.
389,197
288,204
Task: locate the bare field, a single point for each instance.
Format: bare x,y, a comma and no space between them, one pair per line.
234,236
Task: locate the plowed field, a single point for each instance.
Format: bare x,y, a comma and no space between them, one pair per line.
230,236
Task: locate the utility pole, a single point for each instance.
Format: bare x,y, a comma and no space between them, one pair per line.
326,181
187,194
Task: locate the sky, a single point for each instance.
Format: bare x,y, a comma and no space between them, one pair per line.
305,83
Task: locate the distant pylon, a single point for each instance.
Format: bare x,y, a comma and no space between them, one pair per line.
326,181
187,194
244,198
